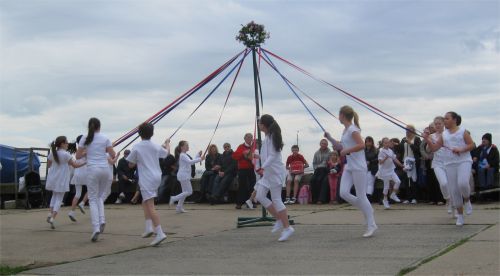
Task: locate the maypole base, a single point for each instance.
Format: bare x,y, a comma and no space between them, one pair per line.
258,221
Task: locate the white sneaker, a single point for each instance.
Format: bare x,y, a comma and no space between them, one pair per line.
121,196
287,201
171,201
277,226
94,236
413,201
249,204
293,200
460,220
468,208
50,220
147,234
386,204
101,227
158,239
118,201
369,232
287,232
80,206
180,210
406,202
394,197
71,216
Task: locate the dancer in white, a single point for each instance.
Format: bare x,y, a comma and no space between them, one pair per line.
58,177
457,160
146,155
438,162
79,179
352,146
183,174
96,145
273,174
386,173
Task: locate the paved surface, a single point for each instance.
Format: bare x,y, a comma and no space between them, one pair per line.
206,241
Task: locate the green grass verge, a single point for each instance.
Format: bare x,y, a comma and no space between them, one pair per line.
7,270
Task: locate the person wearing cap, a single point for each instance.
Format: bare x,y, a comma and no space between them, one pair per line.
486,158
126,177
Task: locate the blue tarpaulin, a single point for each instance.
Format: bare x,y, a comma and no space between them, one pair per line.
22,157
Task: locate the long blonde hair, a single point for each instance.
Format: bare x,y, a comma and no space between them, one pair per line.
350,114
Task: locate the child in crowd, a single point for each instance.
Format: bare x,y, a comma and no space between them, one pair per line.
334,164
295,164
58,177
146,155
386,172
79,179
184,174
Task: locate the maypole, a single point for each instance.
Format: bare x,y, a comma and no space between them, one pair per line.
252,36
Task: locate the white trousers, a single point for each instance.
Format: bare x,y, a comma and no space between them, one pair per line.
358,179
56,200
440,173
97,188
458,182
370,182
276,200
187,190
387,181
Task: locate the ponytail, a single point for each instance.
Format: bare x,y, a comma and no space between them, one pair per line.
274,131
94,125
356,119
55,145
177,150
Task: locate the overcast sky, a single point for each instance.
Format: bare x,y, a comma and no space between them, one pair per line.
62,62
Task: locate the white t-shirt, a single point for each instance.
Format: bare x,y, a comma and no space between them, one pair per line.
387,167
146,155
439,155
184,172
80,174
356,161
454,141
272,163
96,150
59,175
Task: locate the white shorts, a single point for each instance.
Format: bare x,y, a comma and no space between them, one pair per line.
148,194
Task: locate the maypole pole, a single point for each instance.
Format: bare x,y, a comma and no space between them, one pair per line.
252,35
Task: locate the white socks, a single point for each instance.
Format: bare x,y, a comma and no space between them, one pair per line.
159,230
149,226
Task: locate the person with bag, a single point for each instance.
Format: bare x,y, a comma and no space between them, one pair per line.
295,164
409,148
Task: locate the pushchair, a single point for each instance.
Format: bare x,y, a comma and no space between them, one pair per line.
34,191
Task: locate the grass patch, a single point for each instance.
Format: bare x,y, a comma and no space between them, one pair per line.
7,270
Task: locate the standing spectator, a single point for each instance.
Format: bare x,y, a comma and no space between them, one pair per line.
352,147
246,175
486,158
295,164
371,154
409,148
226,174
335,167
125,177
212,167
319,180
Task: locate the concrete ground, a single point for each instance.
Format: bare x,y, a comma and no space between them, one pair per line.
416,239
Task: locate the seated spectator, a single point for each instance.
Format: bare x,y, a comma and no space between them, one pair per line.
295,164
486,157
225,176
319,180
212,167
168,179
126,178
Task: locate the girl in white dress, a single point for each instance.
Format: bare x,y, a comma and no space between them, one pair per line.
273,174
386,173
96,146
184,174
457,161
352,146
58,177
146,156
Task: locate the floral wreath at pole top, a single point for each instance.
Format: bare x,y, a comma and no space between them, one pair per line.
252,35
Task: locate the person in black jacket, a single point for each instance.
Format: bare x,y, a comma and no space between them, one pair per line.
168,178
126,177
371,155
225,176
409,150
212,167
486,160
